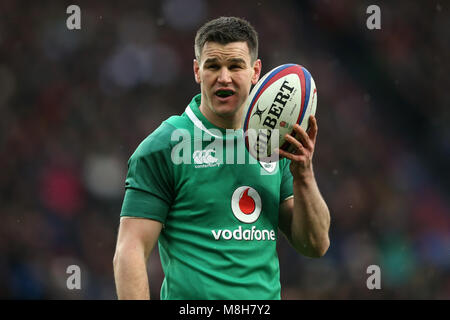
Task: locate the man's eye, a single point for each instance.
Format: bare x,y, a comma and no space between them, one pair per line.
212,66
235,66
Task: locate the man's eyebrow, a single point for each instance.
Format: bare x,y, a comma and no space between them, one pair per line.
211,60
237,60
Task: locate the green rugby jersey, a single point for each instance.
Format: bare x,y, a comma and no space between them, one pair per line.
219,210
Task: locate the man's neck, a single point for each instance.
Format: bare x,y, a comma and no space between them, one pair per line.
225,122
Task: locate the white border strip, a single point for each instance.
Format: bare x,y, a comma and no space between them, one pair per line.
198,123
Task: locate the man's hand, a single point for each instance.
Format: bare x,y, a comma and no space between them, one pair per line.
303,144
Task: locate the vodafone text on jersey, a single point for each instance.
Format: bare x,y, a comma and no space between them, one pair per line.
246,205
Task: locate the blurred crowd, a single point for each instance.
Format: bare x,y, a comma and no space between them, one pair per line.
74,104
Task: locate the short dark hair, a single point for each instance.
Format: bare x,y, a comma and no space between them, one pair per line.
225,30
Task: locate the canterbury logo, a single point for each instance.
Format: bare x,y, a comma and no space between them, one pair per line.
204,156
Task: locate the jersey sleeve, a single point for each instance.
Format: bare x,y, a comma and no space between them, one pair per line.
286,187
149,182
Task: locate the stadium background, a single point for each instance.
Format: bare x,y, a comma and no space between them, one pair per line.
75,104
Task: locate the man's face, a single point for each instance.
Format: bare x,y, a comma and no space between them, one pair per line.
225,74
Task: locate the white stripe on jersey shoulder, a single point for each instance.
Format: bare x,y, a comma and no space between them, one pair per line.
291,196
198,123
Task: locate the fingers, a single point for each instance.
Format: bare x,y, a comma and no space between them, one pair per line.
302,141
297,157
312,129
296,143
303,137
288,155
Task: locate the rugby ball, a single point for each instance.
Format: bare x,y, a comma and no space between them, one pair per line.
284,96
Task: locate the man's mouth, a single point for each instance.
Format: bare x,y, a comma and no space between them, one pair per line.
224,93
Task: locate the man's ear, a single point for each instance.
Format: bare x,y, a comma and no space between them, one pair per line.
196,71
256,71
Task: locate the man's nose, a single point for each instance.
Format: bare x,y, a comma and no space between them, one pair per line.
224,75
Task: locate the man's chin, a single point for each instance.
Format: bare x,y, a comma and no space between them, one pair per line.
226,110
